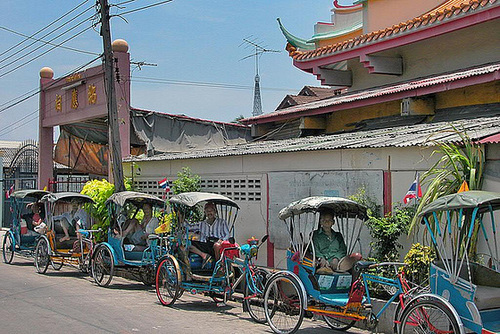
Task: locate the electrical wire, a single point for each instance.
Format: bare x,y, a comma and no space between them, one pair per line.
142,8
47,26
48,43
37,90
201,84
44,53
47,34
34,90
17,127
18,121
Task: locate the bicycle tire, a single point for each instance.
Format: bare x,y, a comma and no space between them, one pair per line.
284,304
428,316
8,248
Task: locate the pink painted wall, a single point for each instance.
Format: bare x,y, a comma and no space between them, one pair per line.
52,90
380,14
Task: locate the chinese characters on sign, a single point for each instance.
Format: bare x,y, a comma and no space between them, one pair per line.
58,102
74,99
92,94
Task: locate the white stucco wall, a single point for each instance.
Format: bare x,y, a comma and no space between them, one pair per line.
354,167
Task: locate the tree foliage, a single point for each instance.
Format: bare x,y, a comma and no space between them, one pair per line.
186,181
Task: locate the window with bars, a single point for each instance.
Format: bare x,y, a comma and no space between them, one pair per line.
237,188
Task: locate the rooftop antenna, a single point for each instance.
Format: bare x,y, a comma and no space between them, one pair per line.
259,50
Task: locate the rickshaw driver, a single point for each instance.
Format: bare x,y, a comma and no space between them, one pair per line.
329,245
210,228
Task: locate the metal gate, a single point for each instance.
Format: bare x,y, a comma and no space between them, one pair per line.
20,172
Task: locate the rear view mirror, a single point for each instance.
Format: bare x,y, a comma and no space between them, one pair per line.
264,238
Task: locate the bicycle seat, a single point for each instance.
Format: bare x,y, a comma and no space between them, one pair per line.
153,237
361,265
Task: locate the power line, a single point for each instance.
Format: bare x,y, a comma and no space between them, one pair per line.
47,34
19,120
44,53
17,127
48,43
201,84
47,26
37,90
19,97
142,8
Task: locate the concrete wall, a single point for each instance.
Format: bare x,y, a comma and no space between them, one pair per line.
428,57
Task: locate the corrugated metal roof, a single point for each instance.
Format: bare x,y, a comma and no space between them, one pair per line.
402,136
380,91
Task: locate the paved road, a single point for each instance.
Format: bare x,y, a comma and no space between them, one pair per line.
69,302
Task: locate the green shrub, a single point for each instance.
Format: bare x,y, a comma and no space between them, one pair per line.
418,260
186,182
100,191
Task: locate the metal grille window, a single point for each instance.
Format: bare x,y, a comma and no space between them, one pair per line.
237,188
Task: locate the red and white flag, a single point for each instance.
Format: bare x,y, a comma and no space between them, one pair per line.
9,192
414,192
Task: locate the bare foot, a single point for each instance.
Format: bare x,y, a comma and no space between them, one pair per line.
64,239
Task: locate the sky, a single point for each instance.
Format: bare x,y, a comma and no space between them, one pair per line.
188,41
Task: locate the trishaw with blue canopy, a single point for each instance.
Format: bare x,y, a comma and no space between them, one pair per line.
464,280
181,270
21,237
339,295
135,255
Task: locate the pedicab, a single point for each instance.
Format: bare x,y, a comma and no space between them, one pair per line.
182,270
122,253
21,238
464,284
65,238
339,295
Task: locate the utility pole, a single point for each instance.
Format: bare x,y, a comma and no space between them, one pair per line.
109,83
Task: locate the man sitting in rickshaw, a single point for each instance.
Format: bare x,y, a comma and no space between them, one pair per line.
329,245
213,230
138,232
71,221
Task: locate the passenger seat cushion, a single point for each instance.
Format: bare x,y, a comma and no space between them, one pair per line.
487,297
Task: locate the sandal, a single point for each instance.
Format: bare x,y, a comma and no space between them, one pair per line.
206,261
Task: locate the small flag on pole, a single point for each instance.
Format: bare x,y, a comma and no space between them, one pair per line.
463,187
414,192
164,184
9,192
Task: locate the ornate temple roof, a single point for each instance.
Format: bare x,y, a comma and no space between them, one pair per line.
449,10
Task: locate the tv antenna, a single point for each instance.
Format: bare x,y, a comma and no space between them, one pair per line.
258,52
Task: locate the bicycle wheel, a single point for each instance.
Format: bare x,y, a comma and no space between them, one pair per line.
253,300
168,279
42,257
338,323
428,316
284,304
103,266
8,248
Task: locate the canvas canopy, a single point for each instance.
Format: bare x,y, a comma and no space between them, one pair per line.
136,198
336,205
484,200
193,198
30,193
67,196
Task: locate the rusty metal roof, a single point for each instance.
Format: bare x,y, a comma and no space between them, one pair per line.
401,136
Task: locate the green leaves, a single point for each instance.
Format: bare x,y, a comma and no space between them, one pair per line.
458,162
186,182
418,260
